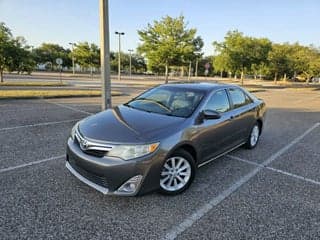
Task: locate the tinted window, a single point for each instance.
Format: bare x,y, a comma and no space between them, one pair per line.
238,97
169,101
219,102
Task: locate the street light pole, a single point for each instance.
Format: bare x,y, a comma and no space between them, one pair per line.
105,54
130,51
72,44
119,60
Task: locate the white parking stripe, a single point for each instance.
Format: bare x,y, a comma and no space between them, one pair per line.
275,170
284,149
29,109
51,107
39,124
30,164
71,108
190,220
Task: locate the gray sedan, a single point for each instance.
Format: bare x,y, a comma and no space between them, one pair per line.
157,140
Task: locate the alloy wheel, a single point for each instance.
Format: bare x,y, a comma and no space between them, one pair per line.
176,173
254,135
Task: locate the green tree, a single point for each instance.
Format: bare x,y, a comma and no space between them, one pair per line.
22,60
14,53
239,53
260,48
167,42
47,53
235,48
138,63
305,61
280,60
87,55
6,49
221,63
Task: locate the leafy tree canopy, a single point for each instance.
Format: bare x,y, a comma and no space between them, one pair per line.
169,42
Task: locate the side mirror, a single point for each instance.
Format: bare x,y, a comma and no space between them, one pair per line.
210,114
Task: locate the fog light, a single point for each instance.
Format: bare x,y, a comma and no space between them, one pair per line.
130,186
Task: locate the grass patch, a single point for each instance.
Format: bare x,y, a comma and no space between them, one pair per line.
33,84
5,94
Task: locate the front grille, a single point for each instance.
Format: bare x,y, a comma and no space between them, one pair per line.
96,153
100,180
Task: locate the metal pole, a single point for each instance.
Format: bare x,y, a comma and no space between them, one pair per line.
130,51
60,66
196,73
119,55
119,60
105,54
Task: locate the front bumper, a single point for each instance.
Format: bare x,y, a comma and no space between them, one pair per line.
107,174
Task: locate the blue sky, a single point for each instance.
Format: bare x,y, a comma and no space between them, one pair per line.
64,21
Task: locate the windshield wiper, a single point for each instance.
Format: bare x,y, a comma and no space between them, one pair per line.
155,101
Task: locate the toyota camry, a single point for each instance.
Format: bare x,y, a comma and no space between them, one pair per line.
159,139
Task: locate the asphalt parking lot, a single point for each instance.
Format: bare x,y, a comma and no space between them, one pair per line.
271,192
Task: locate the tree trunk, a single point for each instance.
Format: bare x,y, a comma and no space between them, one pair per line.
260,77
1,75
285,77
221,72
242,73
275,78
166,74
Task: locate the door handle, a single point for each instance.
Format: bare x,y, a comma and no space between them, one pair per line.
233,117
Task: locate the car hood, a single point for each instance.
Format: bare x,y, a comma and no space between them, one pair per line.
127,125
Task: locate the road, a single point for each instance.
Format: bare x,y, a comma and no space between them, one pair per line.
271,192
80,82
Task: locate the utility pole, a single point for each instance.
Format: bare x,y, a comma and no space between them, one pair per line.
196,71
119,60
130,51
189,73
105,54
72,45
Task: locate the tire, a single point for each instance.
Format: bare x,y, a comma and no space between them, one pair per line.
171,175
254,136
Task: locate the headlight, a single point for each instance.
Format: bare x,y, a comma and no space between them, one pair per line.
127,152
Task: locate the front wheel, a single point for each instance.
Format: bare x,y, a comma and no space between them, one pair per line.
253,138
177,173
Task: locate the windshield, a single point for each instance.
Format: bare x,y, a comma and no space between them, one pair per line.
168,101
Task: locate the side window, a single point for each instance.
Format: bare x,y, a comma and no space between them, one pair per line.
238,98
219,102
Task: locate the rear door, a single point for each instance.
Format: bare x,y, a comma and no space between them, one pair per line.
243,113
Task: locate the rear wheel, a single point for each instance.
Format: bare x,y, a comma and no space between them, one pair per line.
254,136
177,173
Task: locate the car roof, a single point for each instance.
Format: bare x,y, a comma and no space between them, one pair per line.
202,86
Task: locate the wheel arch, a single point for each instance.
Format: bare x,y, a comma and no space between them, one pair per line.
186,146
260,122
